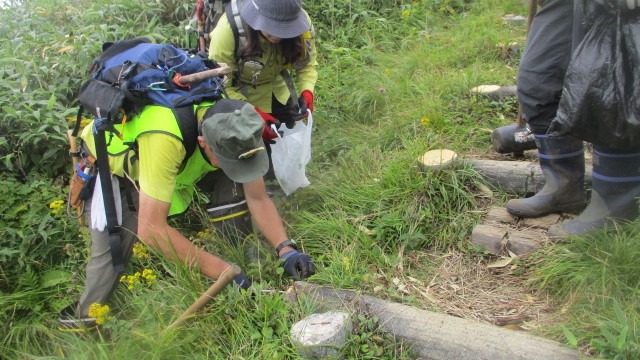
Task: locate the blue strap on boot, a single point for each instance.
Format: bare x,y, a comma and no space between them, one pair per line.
614,194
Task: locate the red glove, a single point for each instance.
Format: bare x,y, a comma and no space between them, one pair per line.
307,97
268,134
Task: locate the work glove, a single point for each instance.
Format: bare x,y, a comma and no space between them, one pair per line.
242,281
268,133
305,101
297,265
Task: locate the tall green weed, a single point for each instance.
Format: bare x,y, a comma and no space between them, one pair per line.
45,49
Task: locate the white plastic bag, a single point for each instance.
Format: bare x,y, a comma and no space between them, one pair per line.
290,155
98,212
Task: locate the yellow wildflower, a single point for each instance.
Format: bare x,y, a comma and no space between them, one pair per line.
136,280
56,206
100,313
406,13
131,280
149,276
425,121
140,251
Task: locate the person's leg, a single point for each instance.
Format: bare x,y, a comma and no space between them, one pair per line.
544,63
614,194
541,74
101,278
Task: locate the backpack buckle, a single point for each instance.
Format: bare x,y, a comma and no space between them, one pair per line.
158,86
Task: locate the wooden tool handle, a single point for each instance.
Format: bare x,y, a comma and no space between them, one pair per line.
188,79
73,147
225,278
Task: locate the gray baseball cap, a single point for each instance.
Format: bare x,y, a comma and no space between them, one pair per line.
233,131
281,18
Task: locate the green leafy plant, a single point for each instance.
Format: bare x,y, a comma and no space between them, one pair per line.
33,228
619,338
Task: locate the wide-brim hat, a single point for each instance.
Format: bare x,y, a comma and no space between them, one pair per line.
281,18
233,131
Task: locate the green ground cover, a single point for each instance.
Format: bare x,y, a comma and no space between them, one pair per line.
394,83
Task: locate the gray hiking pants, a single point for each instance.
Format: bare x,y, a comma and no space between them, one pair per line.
227,208
101,279
555,32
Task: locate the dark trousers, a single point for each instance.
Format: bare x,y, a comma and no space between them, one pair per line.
555,32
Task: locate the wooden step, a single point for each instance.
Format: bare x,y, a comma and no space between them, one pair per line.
503,234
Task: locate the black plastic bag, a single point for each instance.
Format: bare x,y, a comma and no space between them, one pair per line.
600,100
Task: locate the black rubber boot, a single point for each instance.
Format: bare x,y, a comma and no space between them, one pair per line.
562,163
614,195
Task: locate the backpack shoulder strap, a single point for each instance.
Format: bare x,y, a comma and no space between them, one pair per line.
213,12
188,125
232,9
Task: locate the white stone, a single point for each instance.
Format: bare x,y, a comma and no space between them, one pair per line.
321,335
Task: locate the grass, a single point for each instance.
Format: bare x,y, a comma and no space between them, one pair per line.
394,83
598,278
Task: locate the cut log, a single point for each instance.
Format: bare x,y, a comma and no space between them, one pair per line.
515,177
541,223
436,336
437,159
495,92
503,241
500,215
525,241
491,238
320,336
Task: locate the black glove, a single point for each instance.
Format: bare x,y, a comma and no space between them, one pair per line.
289,114
297,265
242,281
